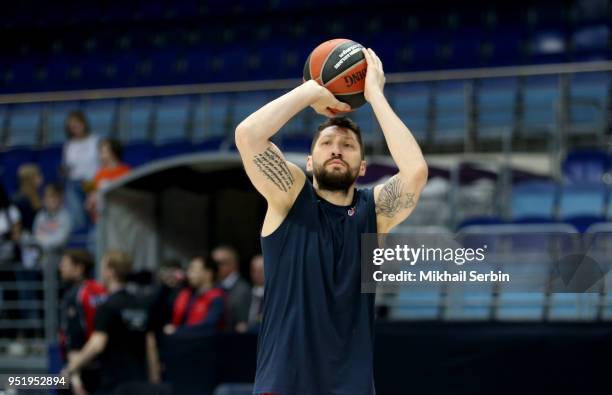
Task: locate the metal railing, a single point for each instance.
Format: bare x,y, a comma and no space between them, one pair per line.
430,120
29,312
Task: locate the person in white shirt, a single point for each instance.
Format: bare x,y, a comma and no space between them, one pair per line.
80,163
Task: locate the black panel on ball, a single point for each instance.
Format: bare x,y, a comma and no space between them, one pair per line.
329,72
354,100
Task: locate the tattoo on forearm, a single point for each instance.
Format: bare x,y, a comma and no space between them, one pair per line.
272,165
392,198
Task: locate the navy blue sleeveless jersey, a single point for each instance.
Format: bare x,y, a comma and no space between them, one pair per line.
317,330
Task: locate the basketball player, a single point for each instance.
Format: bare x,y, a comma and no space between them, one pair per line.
317,335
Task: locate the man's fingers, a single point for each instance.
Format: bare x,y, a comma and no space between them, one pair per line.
341,106
375,58
368,57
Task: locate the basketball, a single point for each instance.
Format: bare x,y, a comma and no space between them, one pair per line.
340,66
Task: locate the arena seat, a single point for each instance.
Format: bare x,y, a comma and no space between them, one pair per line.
451,113
24,125
10,160
586,166
138,121
411,102
49,159
581,199
588,98
136,154
534,199
102,115
172,119
496,103
541,95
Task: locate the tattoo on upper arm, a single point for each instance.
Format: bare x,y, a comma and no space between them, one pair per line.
274,167
392,198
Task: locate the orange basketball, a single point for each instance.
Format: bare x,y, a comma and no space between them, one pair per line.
339,65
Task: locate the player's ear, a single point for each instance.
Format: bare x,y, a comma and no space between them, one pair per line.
362,168
309,163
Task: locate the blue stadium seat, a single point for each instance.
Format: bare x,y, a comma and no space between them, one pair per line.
451,120
586,166
10,160
138,120
583,222
24,125
609,205
411,103
413,304
588,98
56,133
496,107
174,149
465,48
579,200
547,46
424,46
245,103
591,39
101,115
211,117
365,119
137,154
505,42
480,221
172,119
534,199
541,95
50,161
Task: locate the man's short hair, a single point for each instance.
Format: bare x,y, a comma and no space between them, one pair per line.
343,122
81,257
120,263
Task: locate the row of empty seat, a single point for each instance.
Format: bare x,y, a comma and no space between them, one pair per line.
194,42
543,285
436,112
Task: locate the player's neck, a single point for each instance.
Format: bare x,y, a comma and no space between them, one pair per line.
339,198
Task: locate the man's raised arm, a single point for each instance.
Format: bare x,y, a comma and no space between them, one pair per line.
396,198
278,180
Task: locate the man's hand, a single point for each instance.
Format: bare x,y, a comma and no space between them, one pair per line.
375,76
325,102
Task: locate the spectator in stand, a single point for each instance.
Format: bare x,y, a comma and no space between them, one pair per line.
80,164
201,307
122,337
10,230
171,280
52,225
10,255
78,309
111,168
257,294
238,290
28,199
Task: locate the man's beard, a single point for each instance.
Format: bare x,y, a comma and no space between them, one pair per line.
334,180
